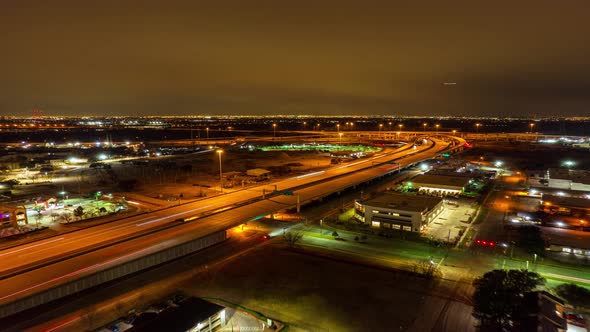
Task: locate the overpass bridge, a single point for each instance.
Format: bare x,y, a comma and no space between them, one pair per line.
60,266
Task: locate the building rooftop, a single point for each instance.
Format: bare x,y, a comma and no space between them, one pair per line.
185,317
441,180
565,201
574,175
403,202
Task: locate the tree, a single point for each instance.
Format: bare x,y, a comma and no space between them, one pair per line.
292,238
79,212
335,234
575,295
498,296
426,268
67,217
530,238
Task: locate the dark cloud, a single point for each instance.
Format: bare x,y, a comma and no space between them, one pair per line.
271,57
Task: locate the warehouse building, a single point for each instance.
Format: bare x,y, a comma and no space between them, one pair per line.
569,179
398,211
442,184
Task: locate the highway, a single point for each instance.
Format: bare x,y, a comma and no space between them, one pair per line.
29,269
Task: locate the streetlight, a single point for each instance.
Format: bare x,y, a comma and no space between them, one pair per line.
569,163
531,125
454,132
304,125
400,126
424,125
207,130
389,125
219,152
437,126
274,130
338,127
380,126
339,138
477,125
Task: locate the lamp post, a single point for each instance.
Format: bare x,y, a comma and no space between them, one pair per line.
207,130
400,126
531,125
304,125
477,125
380,126
339,138
424,125
274,130
437,126
389,126
338,127
219,152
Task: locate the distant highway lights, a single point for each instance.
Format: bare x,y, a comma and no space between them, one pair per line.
219,153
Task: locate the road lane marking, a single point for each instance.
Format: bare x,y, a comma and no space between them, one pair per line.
29,247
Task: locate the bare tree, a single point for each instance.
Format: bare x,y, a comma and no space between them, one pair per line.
426,268
292,238
89,319
67,217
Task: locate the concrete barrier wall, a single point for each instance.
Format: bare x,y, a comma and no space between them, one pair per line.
111,274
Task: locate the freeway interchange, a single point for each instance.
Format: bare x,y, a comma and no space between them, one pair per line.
36,267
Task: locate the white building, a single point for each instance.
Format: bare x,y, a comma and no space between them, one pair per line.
399,211
569,179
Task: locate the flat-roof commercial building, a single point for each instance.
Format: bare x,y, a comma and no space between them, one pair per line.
565,205
570,179
440,183
399,211
192,314
11,216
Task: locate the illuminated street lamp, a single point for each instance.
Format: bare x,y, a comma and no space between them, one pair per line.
338,127
207,130
454,132
274,130
569,163
400,126
380,126
389,125
424,125
340,138
477,125
531,125
304,125
219,152
437,126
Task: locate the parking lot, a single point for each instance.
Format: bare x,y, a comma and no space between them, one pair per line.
452,220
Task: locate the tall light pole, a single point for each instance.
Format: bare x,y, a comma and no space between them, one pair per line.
338,127
400,126
219,152
477,125
380,126
389,126
454,132
339,138
207,130
437,126
274,130
304,125
424,125
531,125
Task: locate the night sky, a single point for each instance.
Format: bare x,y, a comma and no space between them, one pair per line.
295,57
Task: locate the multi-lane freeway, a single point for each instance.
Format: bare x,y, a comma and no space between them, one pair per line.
32,268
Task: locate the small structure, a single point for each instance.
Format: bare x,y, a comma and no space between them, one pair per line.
399,211
11,216
258,173
440,183
570,179
191,314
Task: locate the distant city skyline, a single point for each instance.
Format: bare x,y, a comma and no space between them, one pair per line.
457,58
